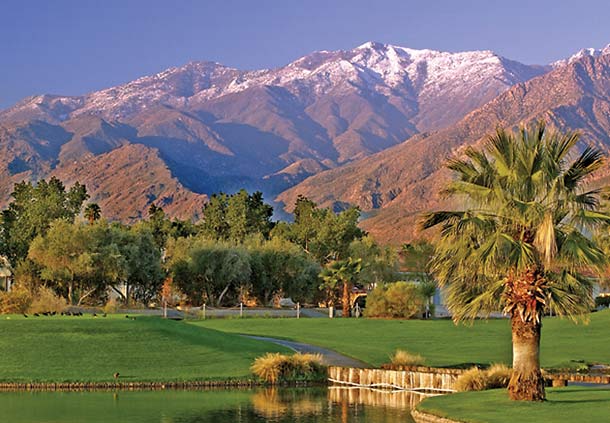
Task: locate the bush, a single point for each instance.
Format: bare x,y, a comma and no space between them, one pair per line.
498,376
602,301
475,379
275,367
45,300
395,300
112,306
404,358
18,300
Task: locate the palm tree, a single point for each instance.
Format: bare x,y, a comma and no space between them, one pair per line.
523,242
342,272
92,212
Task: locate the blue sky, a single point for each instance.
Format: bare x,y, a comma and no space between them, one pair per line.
76,46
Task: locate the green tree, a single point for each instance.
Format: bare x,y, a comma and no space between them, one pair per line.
92,212
214,223
235,217
379,264
31,211
77,259
208,271
158,224
523,243
278,266
416,257
341,273
324,235
143,273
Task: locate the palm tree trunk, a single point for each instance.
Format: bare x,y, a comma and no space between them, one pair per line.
526,382
345,299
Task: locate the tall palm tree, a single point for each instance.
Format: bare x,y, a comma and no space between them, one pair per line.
92,212
522,244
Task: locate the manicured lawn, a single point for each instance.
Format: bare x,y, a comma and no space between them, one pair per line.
442,343
58,349
563,405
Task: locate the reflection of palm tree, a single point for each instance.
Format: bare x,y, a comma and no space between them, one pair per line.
523,242
92,212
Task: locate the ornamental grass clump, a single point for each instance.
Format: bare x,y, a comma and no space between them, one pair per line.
402,358
498,376
475,379
276,368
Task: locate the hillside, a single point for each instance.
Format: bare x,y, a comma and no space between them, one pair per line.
393,187
213,128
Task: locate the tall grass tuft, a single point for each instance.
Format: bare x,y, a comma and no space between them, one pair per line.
475,379
275,367
498,376
402,358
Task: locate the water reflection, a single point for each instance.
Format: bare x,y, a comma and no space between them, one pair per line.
281,405
374,397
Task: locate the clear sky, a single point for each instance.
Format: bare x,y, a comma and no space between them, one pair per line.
76,46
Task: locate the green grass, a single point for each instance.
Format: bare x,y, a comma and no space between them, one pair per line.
62,349
440,342
572,404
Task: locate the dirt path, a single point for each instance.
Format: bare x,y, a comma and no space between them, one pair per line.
329,357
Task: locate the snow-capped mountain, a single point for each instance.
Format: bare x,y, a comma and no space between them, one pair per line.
219,128
396,185
417,75
585,52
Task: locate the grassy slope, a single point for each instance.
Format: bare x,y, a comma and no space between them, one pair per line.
148,349
564,405
441,342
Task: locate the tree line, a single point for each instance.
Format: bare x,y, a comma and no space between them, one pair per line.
55,239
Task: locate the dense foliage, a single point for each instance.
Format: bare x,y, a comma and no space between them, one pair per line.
236,253
403,300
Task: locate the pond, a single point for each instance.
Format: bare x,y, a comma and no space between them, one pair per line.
294,405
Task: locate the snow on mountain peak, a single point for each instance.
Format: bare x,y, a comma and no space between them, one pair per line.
373,66
585,52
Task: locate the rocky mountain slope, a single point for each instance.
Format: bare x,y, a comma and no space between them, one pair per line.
197,129
394,186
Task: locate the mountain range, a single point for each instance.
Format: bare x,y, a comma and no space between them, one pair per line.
369,126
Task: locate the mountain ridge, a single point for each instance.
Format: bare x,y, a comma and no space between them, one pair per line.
395,185
216,128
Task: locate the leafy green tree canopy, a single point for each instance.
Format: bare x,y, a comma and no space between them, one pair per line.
324,235
31,211
234,217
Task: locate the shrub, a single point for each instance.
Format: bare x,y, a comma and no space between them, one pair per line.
45,300
602,301
405,358
498,376
397,300
475,379
275,367
112,306
18,300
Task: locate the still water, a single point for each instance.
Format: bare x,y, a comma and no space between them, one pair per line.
304,405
